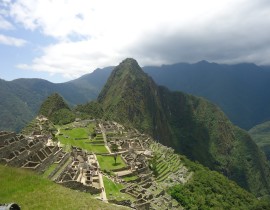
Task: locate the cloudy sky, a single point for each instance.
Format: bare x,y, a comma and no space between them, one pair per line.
60,40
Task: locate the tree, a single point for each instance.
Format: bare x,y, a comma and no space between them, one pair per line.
114,149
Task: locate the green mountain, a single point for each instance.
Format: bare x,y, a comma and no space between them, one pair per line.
57,110
129,96
20,99
241,90
14,112
192,126
261,135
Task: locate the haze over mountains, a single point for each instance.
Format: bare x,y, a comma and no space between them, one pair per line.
242,90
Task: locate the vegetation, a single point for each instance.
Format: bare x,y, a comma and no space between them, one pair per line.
114,149
21,98
113,190
56,110
31,191
242,90
107,163
261,135
211,190
153,165
79,137
191,125
130,178
90,110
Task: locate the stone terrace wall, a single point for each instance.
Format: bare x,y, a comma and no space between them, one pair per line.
6,135
79,186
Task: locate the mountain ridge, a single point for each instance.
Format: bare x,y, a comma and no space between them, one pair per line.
192,126
241,90
25,96
261,135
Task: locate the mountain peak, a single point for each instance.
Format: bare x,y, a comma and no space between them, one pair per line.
56,109
129,65
129,61
203,62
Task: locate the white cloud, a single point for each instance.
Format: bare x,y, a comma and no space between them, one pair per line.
97,33
8,40
5,25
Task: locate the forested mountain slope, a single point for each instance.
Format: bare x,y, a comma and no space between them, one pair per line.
192,126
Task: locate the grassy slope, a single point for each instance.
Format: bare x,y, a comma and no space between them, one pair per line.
31,191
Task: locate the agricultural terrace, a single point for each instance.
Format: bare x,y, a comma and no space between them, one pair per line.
113,190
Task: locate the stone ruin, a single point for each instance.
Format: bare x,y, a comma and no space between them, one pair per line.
27,152
82,172
135,149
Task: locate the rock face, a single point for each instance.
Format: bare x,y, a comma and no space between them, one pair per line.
191,125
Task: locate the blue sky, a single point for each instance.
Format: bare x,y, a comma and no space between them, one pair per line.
13,55
60,40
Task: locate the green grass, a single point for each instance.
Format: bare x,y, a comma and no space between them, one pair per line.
107,162
76,133
91,127
99,137
130,178
98,142
49,170
32,191
113,190
84,143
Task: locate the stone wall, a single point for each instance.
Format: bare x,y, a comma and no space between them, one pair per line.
9,147
79,186
61,163
48,161
6,135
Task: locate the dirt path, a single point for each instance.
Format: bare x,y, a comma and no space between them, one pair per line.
100,176
103,192
104,137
